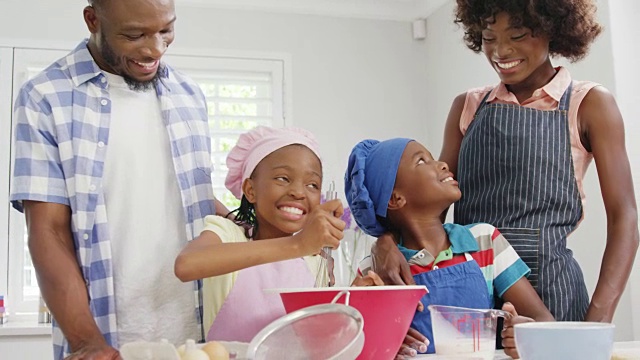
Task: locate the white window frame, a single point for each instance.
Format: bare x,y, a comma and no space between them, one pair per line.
6,75
11,256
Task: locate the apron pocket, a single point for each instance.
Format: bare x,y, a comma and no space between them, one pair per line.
526,242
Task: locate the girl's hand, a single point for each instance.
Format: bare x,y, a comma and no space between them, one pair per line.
323,228
508,338
372,279
414,342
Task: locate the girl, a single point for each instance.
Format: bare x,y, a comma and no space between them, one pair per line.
277,174
460,265
520,149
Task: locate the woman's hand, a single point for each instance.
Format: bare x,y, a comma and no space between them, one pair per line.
371,279
414,342
508,338
389,263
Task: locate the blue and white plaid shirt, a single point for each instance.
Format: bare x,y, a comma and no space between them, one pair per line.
62,120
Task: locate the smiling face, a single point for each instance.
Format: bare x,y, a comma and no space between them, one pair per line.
515,53
284,188
129,37
425,182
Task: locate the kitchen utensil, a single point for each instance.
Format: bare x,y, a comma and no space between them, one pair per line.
323,275
564,340
458,330
320,332
387,312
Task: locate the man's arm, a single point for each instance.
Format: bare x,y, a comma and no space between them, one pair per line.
602,129
61,282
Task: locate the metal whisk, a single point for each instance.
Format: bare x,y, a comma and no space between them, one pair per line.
323,275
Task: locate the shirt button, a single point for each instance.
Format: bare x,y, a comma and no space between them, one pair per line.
100,144
92,187
435,267
536,93
104,102
103,80
420,255
85,236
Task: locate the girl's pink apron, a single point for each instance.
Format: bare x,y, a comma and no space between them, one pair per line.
248,309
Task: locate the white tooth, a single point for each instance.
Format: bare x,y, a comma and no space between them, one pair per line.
508,65
291,210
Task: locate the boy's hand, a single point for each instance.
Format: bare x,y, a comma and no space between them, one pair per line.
372,279
323,228
508,338
414,342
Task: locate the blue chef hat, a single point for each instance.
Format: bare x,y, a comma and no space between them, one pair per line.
369,181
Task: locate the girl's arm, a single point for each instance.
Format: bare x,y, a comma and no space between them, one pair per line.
208,255
602,133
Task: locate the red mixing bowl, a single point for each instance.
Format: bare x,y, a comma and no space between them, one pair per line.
387,312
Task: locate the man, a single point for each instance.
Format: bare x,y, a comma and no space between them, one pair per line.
113,173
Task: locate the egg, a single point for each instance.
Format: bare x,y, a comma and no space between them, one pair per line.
216,351
180,350
191,352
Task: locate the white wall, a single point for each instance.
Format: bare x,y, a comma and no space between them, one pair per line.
351,78
453,68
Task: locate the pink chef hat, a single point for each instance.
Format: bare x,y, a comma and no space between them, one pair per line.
255,145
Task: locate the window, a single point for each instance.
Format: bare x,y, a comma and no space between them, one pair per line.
241,93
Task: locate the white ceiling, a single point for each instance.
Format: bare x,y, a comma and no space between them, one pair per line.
401,10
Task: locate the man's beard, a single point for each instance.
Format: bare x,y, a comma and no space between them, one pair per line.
115,63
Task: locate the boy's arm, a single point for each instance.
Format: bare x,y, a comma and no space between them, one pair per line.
510,280
526,301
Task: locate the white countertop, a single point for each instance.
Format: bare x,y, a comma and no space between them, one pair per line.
627,350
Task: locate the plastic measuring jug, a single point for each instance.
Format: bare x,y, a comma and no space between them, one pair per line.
465,331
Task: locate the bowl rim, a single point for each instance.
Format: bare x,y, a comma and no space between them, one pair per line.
565,325
349,288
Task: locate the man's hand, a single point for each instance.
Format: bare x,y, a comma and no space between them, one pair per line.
508,338
95,352
414,341
389,263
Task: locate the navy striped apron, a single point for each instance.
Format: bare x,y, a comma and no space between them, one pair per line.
515,172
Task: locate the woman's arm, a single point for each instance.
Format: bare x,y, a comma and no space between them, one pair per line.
452,134
602,132
208,255
452,139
